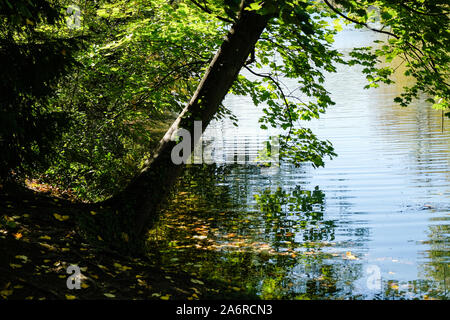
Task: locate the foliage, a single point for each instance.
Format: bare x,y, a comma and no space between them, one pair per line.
32,61
142,61
417,36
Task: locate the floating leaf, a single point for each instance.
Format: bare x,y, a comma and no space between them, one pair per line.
70,297
109,295
394,286
350,256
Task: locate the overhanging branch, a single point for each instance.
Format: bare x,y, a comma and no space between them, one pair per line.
209,11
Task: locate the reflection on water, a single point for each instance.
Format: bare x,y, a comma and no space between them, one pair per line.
379,211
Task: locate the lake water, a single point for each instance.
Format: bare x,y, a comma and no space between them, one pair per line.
377,226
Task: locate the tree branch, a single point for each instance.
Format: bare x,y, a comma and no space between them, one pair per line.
421,12
335,10
268,76
209,11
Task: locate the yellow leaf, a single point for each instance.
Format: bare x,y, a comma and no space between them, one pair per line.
109,295
394,286
93,213
166,297
84,285
17,235
99,238
70,297
350,256
5,293
45,237
23,258
60,217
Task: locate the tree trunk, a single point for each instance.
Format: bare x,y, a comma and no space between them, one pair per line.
142,197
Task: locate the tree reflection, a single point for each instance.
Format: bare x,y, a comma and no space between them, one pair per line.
272,249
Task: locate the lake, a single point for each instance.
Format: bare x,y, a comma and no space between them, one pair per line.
372,224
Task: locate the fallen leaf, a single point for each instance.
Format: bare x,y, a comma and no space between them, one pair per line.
23,258
197,281
60,217
17,235
6,293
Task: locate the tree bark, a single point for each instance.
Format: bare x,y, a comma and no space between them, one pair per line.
146,192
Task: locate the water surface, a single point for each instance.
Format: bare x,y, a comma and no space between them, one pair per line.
372,224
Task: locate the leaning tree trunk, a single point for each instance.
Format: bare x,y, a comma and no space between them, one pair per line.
140,200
